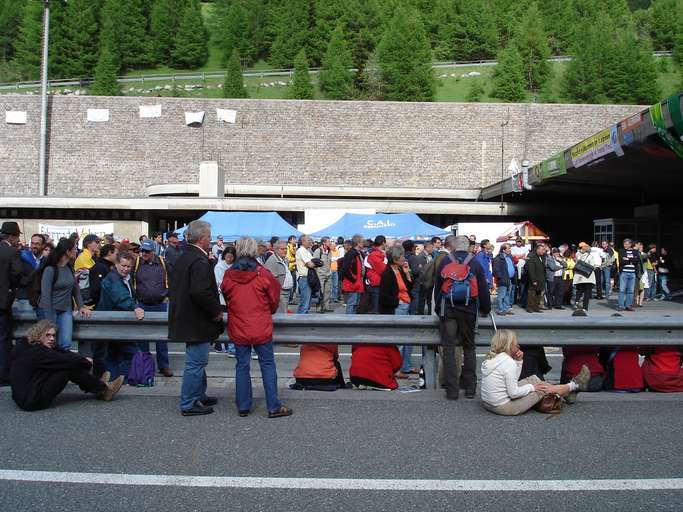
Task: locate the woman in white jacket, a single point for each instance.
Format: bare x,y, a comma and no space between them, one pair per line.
501,390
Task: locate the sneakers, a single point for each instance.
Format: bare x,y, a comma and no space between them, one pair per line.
112,388
629,308
579,312
197,410
581,379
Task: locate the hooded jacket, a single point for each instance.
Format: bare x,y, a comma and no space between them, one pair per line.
376,263
499,380
252,295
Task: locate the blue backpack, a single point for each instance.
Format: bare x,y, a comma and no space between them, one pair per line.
141,371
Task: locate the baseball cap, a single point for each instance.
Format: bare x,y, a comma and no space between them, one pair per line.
147,245
219,237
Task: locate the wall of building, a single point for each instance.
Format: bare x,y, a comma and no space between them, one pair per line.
447,145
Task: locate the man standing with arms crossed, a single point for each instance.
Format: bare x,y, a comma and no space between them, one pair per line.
195,316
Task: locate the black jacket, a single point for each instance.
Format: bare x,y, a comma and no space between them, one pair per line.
97,273
193,303
32,366
11,275
388,290
535,266
484,298
500,270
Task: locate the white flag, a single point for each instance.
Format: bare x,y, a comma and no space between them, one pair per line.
15,117
228,116
98,115
148,111
194,118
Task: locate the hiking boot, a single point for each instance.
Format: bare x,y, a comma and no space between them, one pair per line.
112,388
583,378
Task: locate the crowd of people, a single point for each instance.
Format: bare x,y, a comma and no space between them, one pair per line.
198,278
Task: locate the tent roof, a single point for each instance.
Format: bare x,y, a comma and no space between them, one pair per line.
258,225
391,225
527,230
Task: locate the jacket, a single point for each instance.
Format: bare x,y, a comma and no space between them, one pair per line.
376,263
32,366
193,304
172,255
97,274
499,378
376,363
501,271
575,357
552,266
114,294
485,260
484,298
535,266
252,295
388,290
352,272
11,275
317,362
326,259
279,268
591,260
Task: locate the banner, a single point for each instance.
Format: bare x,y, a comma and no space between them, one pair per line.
658,122
226,115
15,117
57,232
614,139
592,148
674,105
554,166
150,111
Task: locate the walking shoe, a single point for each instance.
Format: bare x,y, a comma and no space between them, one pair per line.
197,410
620,309
209,401
166,372
243,414
112,388
629,308
579,312
106,376
469,393
281,412
509,313
583,378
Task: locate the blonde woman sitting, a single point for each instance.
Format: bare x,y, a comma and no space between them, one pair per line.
501,390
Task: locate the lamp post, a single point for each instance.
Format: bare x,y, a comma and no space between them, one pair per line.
42,189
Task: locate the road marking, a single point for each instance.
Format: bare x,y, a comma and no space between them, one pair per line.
655,484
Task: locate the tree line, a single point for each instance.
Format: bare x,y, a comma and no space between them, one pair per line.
389,43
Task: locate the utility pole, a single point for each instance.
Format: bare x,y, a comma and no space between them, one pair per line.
42,189
502,160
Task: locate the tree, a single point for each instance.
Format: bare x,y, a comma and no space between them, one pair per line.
405,59
468,33
28,48
233,30
663,17
190,49
508,81
233,85
11,13
292,26
301,87
105,74
532,43
79,41
164,23
476,92
582,81
336,79
124,32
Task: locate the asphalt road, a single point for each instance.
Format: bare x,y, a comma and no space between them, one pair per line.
348,434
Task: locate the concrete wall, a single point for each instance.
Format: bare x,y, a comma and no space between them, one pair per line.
448,145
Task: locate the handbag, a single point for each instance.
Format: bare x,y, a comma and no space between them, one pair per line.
550,404
583,269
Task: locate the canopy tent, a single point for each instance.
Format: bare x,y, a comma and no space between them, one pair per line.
258,225
527,230
391,225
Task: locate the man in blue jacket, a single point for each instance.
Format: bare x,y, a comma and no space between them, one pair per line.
457,320
116,294
485,259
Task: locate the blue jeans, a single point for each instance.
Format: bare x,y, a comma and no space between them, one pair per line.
374,298
352,301
5,343
664,285
304,295
335,285
627,282
651,292
193,388
511,296
503,299
64,320
406,350
414,299
606,277
266,359
161,346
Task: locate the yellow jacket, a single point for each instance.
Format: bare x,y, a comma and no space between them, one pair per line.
84,260
569,271
291,256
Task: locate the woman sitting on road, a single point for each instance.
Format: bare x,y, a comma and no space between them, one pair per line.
374,366
319,369
41,370
503,394
662,369
252,295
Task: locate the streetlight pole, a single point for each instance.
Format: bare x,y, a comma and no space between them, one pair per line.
502,160
42,189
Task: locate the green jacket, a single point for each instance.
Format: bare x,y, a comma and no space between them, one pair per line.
535,267
114,295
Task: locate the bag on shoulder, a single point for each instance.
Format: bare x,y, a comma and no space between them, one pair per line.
141,372
583,269
459,282
83,280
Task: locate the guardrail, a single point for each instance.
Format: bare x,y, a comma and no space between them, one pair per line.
640,330
214,75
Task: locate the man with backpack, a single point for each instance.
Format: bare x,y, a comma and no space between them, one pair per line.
460,288
150,286
82,266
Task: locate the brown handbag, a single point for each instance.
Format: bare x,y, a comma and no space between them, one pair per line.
550,404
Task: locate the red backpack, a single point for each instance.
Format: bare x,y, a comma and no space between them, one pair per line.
459,282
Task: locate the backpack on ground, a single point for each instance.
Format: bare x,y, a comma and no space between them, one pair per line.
141,372
459,282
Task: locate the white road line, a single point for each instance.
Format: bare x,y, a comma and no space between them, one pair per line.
656,484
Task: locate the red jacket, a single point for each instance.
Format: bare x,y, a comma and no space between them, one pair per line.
376,363
252,295
575,357
662,370
376,265
352,273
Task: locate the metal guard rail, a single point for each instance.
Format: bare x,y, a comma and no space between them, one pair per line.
121,326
